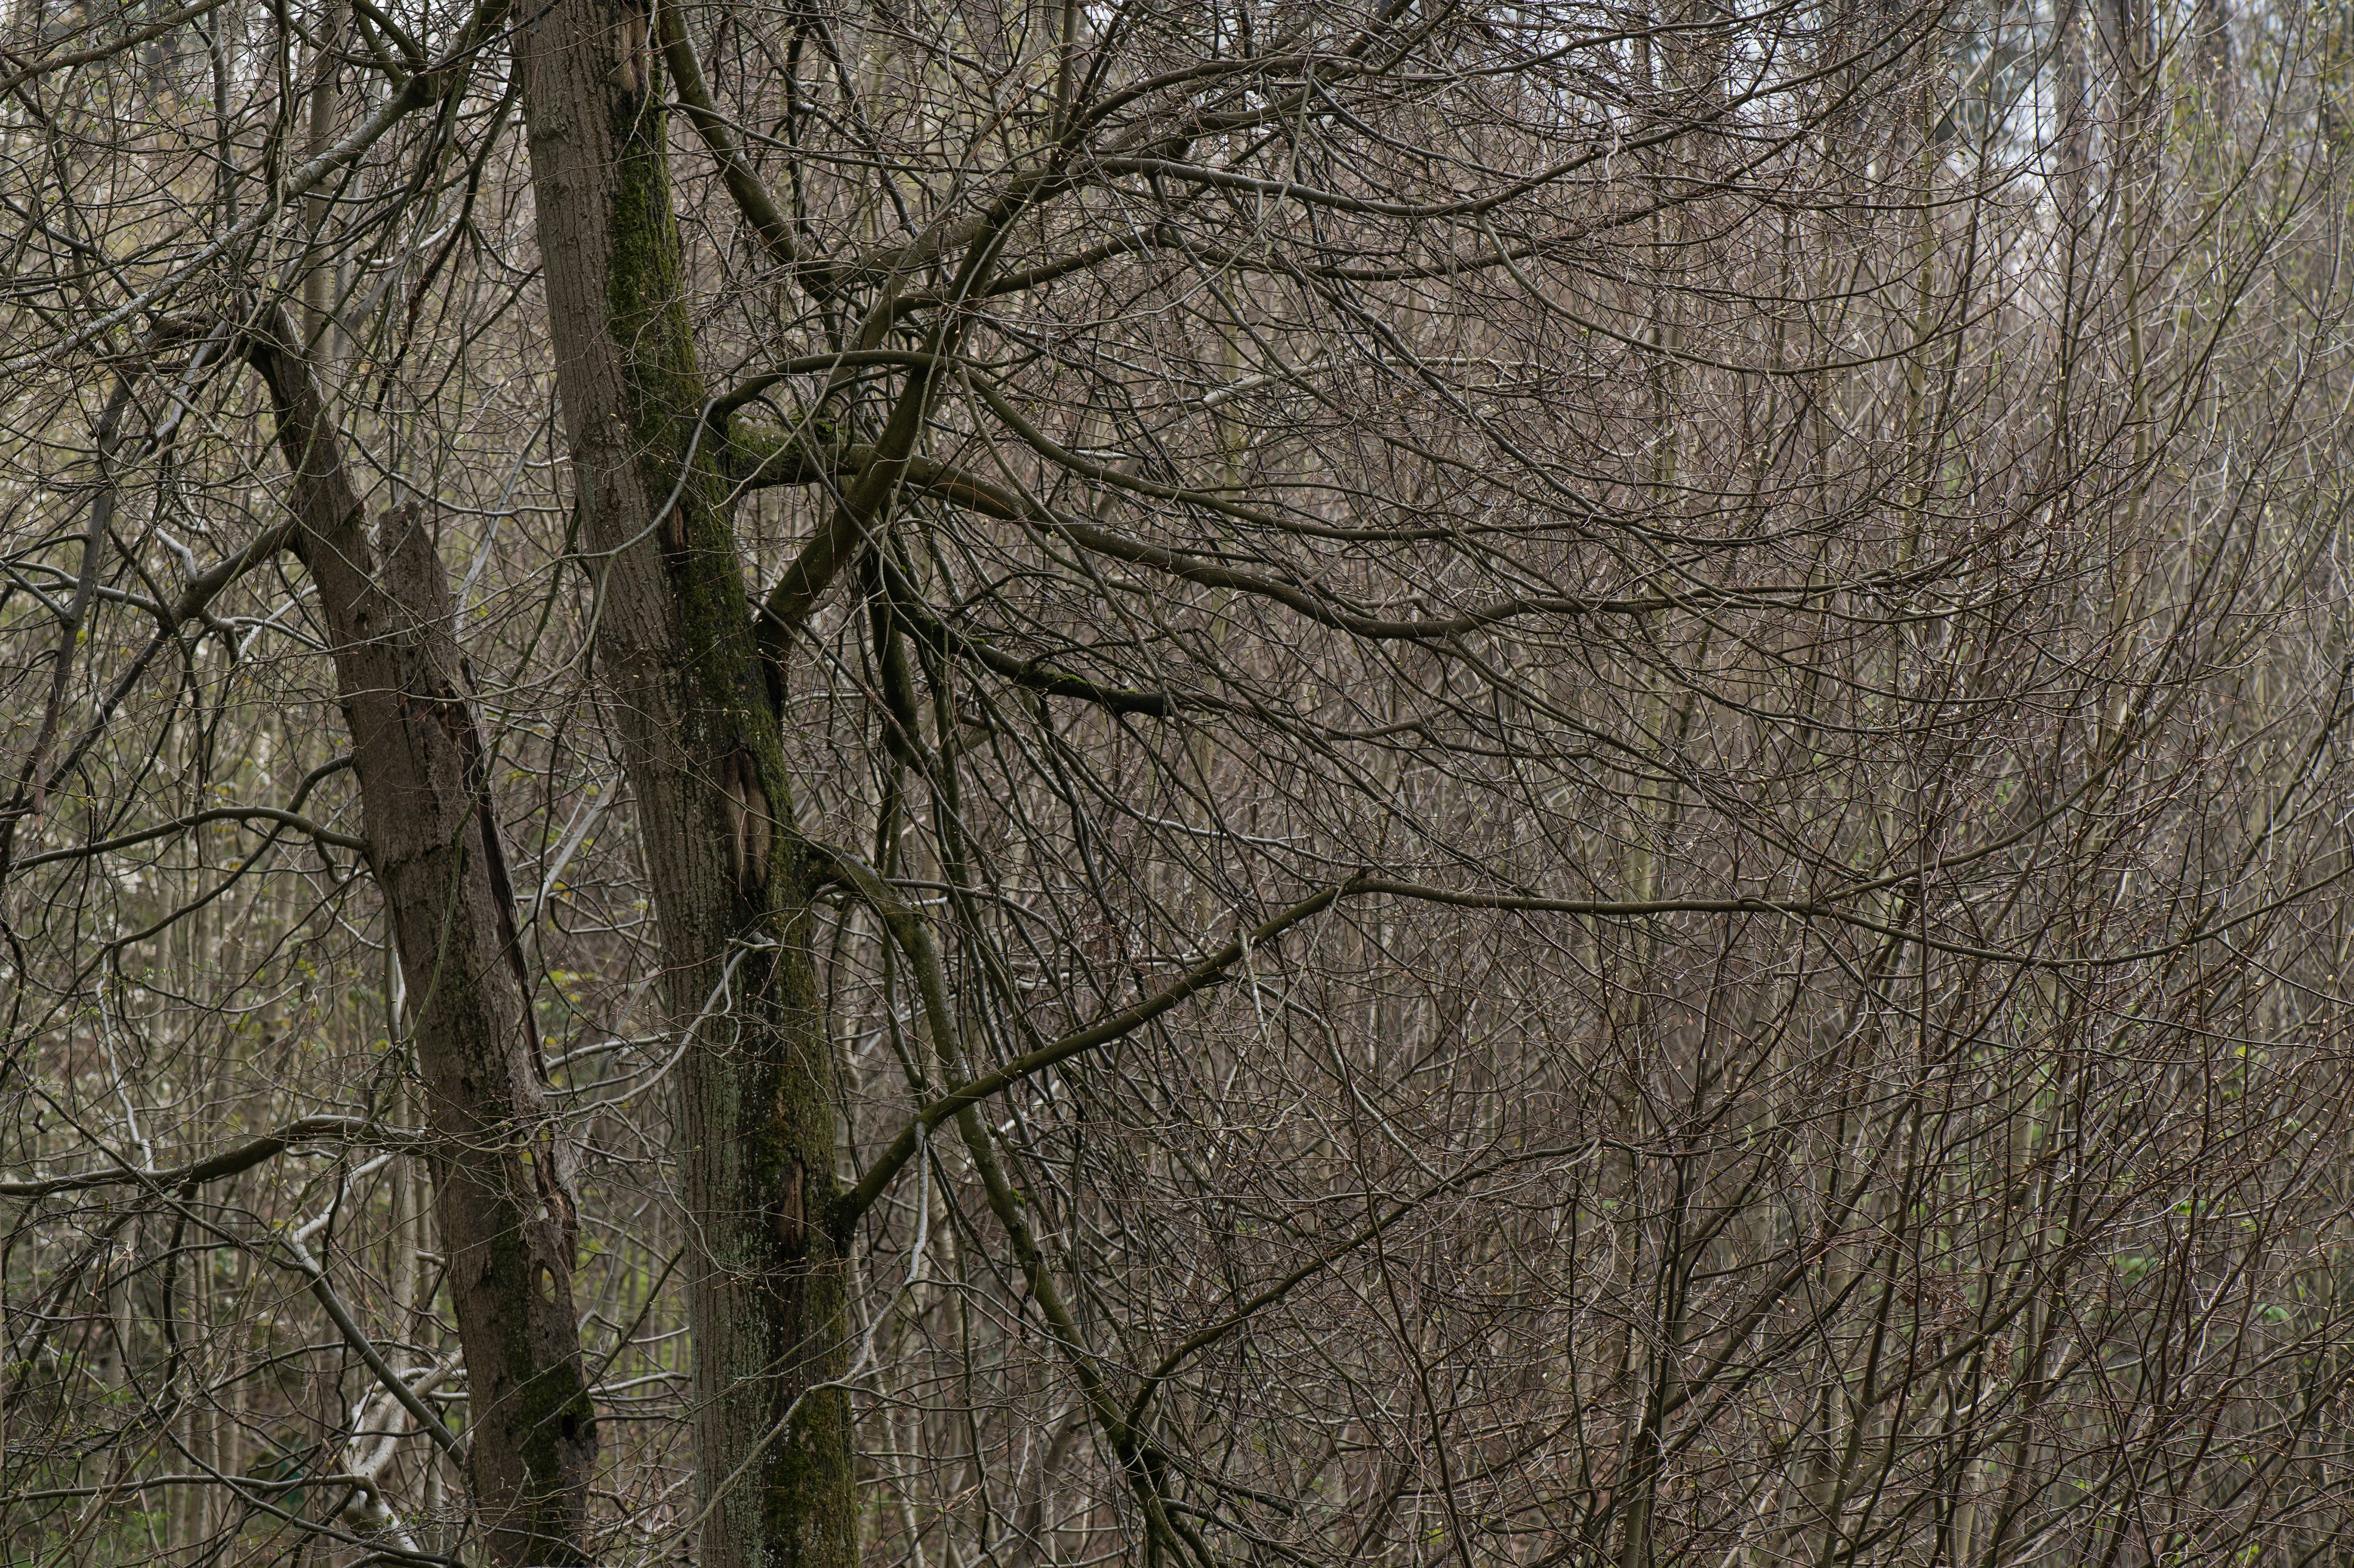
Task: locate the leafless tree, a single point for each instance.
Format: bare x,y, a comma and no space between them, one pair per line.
1290,783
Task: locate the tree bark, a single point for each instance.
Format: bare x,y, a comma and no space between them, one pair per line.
505,1201
704,756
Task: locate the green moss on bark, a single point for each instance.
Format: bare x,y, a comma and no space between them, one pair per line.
782,1107
551,1411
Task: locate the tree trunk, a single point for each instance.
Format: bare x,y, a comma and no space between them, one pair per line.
505,1208
704,756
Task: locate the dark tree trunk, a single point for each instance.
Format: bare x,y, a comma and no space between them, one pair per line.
674,641
503,1201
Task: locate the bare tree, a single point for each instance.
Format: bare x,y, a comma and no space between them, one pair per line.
1306,784
433,846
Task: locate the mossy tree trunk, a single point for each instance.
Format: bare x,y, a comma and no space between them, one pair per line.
505,1205
706,760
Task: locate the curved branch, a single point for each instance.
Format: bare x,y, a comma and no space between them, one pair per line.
1201,977
1034,675
153,31
218,1167
750,194
1193,1344
198,818
843,534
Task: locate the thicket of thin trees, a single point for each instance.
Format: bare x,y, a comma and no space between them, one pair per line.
1263,781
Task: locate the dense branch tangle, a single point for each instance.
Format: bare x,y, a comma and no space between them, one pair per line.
1222,783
